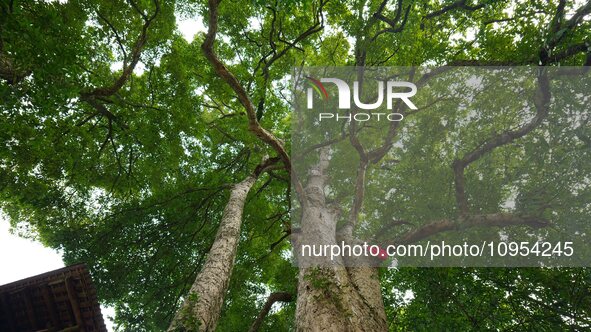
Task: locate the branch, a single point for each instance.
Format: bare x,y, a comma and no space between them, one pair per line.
570,51
283,237
117,37
541,101
395,24
358,197
578,16
500,20
9,72
377,154
223,72
316,27
471,221
558,30
487,63
456,5
378,14
233,82
94,96
274,297
558,17
373,156
136,52
102,110
314,147
388,226
265,166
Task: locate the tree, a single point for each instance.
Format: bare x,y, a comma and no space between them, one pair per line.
139,153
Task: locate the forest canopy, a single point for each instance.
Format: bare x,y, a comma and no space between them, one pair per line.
165,162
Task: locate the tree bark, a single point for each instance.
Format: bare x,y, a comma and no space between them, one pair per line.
331,296
201,308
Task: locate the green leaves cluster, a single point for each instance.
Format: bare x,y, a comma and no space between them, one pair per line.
137,192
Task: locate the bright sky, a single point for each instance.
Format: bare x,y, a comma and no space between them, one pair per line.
21,258
190,27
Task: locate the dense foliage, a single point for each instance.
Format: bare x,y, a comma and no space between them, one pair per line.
119,143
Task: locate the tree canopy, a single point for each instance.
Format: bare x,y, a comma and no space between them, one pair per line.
121,141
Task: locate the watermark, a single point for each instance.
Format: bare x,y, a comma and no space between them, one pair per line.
452,166
343,93
390,91
439,250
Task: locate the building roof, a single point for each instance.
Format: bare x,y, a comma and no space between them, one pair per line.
58,300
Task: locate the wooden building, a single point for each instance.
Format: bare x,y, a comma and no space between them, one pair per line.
60,300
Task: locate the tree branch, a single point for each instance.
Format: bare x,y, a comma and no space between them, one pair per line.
541,101
456,5
136,52
470,221
116,34
395,24
8,70
98,96
570,51
358,197
578,16
316,27
558,30
223,72
274,297
233,82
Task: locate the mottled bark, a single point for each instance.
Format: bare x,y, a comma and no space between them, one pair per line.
336,298
331,296
201,308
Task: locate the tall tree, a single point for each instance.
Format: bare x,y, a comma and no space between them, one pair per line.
137,151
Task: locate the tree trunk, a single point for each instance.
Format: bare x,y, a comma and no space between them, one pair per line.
201,308
332,296
353,305
339,298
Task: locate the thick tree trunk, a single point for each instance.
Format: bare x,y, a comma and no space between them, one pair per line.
347,301
201,308
332,296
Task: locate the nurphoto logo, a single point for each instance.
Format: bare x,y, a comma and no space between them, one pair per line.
392,92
